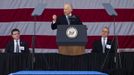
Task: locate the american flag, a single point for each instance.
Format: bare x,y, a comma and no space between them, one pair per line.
17,14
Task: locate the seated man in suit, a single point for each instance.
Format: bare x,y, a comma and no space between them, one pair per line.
104,44
67,19
16,45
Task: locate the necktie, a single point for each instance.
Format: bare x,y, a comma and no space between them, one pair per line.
68,20
103,45
17,47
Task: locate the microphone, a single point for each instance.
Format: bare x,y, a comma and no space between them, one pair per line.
73,19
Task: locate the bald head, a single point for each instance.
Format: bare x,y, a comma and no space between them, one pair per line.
67,8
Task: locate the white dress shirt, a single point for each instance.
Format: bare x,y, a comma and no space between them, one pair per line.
15,43
67,17
102,38
104,42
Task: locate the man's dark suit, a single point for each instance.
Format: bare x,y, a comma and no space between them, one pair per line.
97,47
62,20
10,47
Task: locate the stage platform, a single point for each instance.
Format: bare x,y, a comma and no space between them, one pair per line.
58,73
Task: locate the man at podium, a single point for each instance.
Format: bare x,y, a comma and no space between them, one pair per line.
67,19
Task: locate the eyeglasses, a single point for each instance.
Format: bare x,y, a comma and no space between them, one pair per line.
105,31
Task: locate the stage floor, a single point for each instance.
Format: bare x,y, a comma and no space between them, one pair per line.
58,73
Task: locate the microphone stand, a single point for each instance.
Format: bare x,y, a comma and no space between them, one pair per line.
117,57
34,41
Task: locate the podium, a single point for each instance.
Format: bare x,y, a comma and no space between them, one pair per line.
71,39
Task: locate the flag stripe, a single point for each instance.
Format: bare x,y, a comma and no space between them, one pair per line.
79,4
44,28
49,42
86,15
45,50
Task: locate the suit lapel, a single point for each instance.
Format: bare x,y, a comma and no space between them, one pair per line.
100,45
65,20
21,43
12,46
108,42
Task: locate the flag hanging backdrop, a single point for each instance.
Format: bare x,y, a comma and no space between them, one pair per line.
17,14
